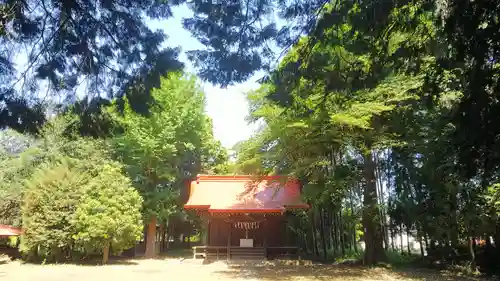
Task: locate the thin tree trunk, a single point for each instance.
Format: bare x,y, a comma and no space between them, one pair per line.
420,242
151,239
322,233
401,238
330,230
306,242
171,232
408,232
313,234
381,201
453,233
167,233
334,232
341,236
374,249
105,253
162,237
354,240
472,253
393,236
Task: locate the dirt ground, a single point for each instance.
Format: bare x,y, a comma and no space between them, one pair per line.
179,269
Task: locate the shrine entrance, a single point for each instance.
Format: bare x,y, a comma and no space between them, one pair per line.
247,234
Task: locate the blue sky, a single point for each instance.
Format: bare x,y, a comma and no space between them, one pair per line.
227,107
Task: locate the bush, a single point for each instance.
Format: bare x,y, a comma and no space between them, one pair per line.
108,214
396,258
74,208
350,255
50,201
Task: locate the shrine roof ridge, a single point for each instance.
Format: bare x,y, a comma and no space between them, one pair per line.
203,177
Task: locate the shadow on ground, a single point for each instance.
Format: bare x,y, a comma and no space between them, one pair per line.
176,254
114,261
335,272
89,263
286,272
433,274
4,259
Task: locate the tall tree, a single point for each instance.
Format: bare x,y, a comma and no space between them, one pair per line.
173,143
99,47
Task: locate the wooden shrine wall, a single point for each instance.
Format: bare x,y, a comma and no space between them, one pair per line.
274,229
217,234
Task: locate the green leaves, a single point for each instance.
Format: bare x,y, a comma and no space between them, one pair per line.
49,203
172,143
76,204
108,212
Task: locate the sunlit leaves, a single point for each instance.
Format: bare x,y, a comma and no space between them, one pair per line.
64,177
108,212
172,143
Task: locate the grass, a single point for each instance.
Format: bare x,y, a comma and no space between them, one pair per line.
178,269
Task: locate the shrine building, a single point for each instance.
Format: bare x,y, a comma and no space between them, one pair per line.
245,216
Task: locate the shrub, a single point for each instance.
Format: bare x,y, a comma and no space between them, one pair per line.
108,214
74,208
350,255
396,258
50,200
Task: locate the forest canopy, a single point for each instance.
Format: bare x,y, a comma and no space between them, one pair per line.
386,110
77,196
375,110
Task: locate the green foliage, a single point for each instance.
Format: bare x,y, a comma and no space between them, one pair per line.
395,258
70,207
173,143
108,213
49,204
13,172
73,197
402,95
131,58
350,255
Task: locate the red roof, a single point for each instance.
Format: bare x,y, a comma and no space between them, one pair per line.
7,230
244,194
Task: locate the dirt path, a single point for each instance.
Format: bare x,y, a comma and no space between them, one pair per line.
178,270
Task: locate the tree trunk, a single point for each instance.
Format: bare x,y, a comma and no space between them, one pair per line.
171,232
331,231
374,249
420,242
408,232
322,233
355,242
151,239
472,254
105,253
454,229
422,252
334,232
426,240
313,233
341,236
393,236
381,201
162,237
401,239
306,242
